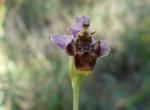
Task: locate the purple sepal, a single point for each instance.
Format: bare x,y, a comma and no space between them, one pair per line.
61,41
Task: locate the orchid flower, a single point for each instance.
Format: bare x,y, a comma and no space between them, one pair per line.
84,52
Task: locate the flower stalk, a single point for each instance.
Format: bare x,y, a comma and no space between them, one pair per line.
76,82
76,93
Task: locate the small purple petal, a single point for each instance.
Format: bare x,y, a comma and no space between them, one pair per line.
104,48
73,31
61,41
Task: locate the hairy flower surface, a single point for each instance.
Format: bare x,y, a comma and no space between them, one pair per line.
81,45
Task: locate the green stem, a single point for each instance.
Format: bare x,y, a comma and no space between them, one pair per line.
75,77
76,92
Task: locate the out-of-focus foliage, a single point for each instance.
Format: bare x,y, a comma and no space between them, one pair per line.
34,73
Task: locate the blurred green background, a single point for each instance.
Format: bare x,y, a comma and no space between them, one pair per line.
34,73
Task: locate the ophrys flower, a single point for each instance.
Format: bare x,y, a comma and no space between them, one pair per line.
84,52
81,45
